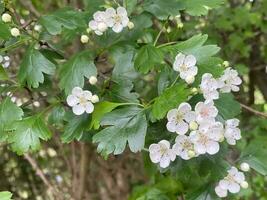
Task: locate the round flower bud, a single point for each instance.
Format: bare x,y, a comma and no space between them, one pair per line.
84,39
15,32
102,27
193,126
221,139
88,30
190,79
191,153
130,25
6,17
92,80
38,27
194,90
244,184
95,98
245,167
226,63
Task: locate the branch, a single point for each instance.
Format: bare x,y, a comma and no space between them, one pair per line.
256,112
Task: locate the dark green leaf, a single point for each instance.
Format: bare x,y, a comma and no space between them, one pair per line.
4,31
3,74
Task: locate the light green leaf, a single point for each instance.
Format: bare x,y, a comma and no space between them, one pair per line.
3,74
9,113
100,110
67,18
5,195
27,134
33,67
147,57
126,125
200,7
73,71
169,99
162,9
75,128
4,31
228,107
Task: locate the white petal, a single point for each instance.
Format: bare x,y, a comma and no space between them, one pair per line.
171,126
220,192
184,107
125,21
89,107
224,184
110,12
165,143
155,157
165,161
213,147
179,60
192,71
190,60
171,115
153,148
77,91
181,128
78,109
72,100
93,25
190,116
87,94
121,11
200,148
117,28
234,187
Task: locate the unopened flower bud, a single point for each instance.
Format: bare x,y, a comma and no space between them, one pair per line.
193,126
130,25
245,167
84,39
191,153
15,32
95,98
221,139
244,184
190,79
92,80
6,18
226,63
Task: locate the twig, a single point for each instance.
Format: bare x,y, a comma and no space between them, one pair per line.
256,112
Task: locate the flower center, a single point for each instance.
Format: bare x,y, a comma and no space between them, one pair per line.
204,112
83,101
183,67
117,18
187,145
203,139
179,117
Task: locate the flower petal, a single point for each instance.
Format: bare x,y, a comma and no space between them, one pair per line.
181,128
117,28
190,60
212,147
77,91
78,109
89,107
72,100
179,60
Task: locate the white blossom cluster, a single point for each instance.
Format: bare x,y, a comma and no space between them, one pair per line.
198,131
110,18
81,100
4,61
233,182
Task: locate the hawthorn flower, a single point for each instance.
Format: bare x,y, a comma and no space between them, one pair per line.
80,101
161,153
179,119
117,19
184,147
186,66
232,132
213,128
204,142
209,86
98,24
230,80
231,183
205,111
5,61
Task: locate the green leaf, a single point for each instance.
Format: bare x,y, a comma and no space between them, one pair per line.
169,99
27,134
130,5
203,193
228,107
3,74
200,7
67,18
75,128
147,57
255,155
162,9
125,125
73,71
9,113
33,67
100,110
5,195
57,115
4,31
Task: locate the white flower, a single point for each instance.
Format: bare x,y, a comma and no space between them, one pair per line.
184,147
6,17
161,153
232,181
80,101
232,132
204,142
15,32
5,61
230,80
186,66
209,86
205,111
98,24
220,191
117,19
179,119
214,129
